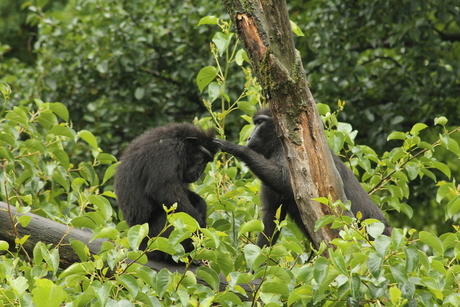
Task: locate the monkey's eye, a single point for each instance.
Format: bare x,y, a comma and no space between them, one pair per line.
259,121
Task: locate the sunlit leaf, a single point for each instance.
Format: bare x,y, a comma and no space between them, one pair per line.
205,76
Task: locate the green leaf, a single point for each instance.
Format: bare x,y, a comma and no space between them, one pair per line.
292,245
18,115
417,128
375,228
34,145
103,66
302,292
440,121
136,234
321,268
60,130
247,107
397,237
252,225
59,109
225,262
87,171
214,91
375,263
222,41
51,257
396,136
129,282
205,76
382,245
61,156
453,207
24,220
139,93
4,245
5,153
240,57
147,275
336,142
209,276
58,176
183,220
412,258
80,269
47,294
323,221
105,158
106,233
80,248
275,287
89,138
208,20
109,172
251,252
450,144
77,183
432,241
295,29
395,295
102,204
323,109
412,170
90,220
443,168
162,282
339,262
19,285
224,298
47,119
7,138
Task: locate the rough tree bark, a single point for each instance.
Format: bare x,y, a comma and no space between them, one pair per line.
264,29
44,230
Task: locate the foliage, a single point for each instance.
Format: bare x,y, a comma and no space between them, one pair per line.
121,66
52,168
410,268
395,65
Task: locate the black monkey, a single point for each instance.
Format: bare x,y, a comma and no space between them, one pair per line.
265,157
156,169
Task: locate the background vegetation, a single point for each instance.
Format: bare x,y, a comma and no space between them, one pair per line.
81,78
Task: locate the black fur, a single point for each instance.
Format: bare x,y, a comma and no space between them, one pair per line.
156,170
265,157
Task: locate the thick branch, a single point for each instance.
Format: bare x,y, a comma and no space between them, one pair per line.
264,29
47,231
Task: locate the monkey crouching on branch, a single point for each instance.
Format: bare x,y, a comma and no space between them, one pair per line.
265,157
156,169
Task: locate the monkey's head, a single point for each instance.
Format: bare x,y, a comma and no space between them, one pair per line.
198,155
199,150
263,138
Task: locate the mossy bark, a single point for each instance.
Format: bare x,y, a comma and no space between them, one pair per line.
264,29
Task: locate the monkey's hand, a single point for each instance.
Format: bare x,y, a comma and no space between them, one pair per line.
226,146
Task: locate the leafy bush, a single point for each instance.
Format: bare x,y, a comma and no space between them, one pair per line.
45,171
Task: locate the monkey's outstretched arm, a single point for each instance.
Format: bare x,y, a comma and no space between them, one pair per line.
273,174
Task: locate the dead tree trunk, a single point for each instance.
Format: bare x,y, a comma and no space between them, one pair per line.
264,29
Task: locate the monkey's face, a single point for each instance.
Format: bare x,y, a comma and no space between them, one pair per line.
197,158
263,138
